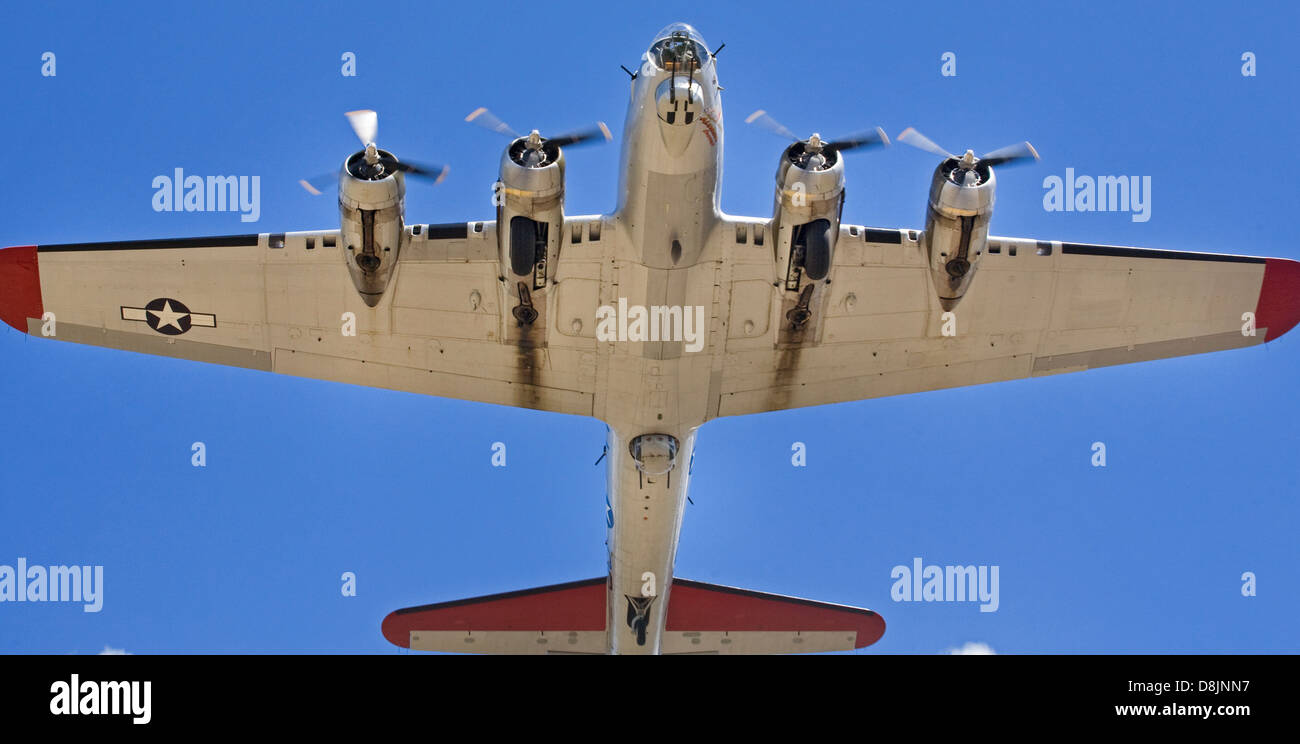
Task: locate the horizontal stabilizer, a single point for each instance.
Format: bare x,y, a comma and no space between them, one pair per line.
570,618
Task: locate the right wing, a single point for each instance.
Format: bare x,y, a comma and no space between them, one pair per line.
276,302
1034,308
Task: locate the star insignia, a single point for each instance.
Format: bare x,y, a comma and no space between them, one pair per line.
168,316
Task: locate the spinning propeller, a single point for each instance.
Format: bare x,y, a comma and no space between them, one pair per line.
815,153
537,151
371,163
966,173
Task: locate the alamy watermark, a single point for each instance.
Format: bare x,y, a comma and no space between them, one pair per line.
25,583
654,323
181,193
922,583
1100,194
102,698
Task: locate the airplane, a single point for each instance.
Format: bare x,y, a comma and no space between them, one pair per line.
655,318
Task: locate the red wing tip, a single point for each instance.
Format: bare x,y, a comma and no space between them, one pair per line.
20,286
1279,297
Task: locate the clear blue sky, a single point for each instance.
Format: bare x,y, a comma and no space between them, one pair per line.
246,554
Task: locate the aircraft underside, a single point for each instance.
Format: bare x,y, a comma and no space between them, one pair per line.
655,319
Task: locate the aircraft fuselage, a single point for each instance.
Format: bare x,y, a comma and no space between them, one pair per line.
668,257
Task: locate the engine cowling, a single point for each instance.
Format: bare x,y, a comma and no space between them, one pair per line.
530,212
809,199
957,226
372,212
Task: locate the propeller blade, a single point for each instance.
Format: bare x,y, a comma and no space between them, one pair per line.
865,139
435,173
600,131
318,184
484,118
765,120
914,138
1011,154
365,123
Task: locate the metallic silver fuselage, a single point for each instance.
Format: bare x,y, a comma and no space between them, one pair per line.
668,255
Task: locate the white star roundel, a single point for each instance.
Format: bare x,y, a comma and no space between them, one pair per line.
168,316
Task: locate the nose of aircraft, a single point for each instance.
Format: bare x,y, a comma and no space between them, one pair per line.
679,47
680,29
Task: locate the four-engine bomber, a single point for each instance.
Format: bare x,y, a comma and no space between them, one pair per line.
759,291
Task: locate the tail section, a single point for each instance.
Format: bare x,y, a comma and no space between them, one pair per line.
570,618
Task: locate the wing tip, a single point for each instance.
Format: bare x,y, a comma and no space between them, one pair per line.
395,632
1278,309
20,286
871,628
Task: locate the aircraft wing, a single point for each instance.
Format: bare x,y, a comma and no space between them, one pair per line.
277,302
1034,308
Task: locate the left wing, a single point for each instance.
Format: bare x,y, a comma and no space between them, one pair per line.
1034,308
280,303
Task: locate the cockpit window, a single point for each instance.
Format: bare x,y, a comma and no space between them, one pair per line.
679,48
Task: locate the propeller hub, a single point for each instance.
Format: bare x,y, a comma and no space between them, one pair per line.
816,153
358,165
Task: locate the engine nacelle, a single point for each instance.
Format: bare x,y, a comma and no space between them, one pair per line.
957,226
372,212
809,199
530,211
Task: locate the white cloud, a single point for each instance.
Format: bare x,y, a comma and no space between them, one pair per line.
113,652
972,648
